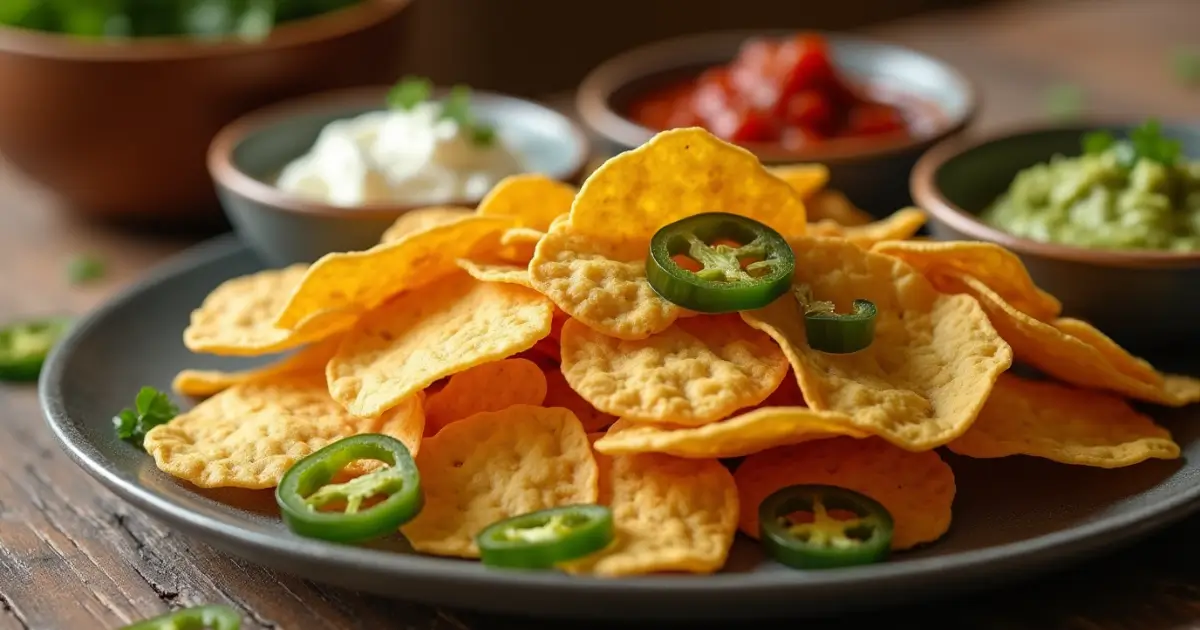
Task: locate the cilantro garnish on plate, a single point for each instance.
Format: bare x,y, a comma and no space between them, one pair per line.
150,409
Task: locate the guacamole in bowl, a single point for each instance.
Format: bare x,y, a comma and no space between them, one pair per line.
1137,193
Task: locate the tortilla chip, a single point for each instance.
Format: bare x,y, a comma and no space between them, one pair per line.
1063,424
250,434
900,225
422,220
670,515
488,387
698,371
533,199
805,179
511,274
930,368
1135,367
560,394
204,383
421,336
750,432
916,488
831,205
677,174
496,465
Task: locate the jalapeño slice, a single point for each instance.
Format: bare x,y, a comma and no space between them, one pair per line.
303,490
833,332
195,618
25,345
742,264
541,539
823,527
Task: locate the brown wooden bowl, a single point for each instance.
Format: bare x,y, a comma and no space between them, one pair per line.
1146,300
120,131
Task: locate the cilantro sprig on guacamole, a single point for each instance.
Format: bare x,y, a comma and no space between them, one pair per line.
1138,192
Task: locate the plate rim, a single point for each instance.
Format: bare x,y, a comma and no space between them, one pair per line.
1032,556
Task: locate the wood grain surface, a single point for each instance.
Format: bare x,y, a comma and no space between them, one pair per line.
72,556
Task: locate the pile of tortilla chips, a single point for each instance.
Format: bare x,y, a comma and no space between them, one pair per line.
521,355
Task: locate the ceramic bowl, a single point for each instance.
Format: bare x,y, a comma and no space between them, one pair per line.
246,157
118,131
1117,291
874,176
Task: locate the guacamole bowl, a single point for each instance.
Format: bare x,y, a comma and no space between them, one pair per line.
1114,289
247,157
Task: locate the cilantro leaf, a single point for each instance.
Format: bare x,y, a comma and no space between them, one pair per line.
1150,144
483,135
457,107
409,92
1098,142
150,409
85,268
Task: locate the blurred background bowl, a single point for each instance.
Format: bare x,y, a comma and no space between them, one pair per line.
247,156
874,175
119,130
1120,292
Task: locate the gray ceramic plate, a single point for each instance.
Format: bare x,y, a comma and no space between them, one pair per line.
1013,517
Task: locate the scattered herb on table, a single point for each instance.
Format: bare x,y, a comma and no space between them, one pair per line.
1186,66
1064,102
24,347
211,616
85,268
150,409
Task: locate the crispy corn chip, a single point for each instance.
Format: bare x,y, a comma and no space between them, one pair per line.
1135,367
930,368
1068,358
236,319
788,394
900,225
601,283
678,174
250,434
204,383
995,266
1063,424
916,488
740,435
698,371
496,465
422,335
354,282
521,236
533,199
484,272
831,205
487,387
560,394
671,515
423,219
805,179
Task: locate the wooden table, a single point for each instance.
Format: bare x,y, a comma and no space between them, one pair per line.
73,556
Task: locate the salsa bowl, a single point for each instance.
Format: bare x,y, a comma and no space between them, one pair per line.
246,158
936,99
1113,289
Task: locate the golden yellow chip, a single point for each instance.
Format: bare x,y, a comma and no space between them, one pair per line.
533,199
521,236
916,488
420,336
204,383
1135,367
600,282
1063,424
831,205
928,371
237,318
995,266
750,432
670,514
1068,358
900,225
496,465
698,371
487,387
805,179
354,282
499,272
423,219
560,394
678,174
250,434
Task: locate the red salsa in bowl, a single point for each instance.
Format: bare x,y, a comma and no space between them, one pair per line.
786,92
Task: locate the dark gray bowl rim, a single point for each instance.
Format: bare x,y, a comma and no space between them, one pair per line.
592,97
225,173
928,196
1032,555
321,27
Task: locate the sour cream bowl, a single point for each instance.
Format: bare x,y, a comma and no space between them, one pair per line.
331,172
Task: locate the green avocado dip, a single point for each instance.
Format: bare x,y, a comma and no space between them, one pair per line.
1137,193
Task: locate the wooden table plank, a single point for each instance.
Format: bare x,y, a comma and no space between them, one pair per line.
74,556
